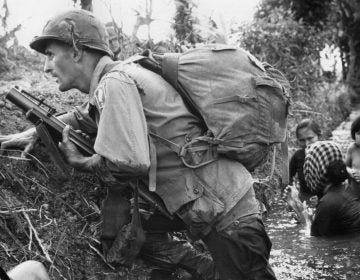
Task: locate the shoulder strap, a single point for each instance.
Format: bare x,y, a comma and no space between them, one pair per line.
134,58
170,68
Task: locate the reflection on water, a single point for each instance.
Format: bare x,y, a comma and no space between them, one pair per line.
297,255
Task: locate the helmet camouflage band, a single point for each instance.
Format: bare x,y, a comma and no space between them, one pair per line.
77,28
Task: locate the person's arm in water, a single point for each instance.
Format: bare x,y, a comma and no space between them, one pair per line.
302,212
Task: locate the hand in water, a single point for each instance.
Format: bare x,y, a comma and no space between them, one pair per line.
302,212
25,140
313,201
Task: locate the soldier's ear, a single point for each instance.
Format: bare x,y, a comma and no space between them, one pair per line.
77,54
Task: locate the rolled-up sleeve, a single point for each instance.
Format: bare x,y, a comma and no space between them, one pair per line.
122,131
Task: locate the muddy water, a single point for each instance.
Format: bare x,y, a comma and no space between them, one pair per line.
297,255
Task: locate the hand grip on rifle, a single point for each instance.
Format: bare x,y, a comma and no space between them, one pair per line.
36,110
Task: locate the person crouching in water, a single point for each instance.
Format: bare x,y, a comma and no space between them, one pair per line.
338,210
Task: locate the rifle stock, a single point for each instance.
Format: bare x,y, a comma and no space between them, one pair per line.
35,112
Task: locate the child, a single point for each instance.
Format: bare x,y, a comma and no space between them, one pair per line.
307,132
353,153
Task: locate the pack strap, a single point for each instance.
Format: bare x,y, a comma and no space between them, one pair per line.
170,67
209,146
171,145
134,58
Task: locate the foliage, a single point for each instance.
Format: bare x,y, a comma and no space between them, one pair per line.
287,44
85,4
321,16
185,21
294,47
311,12
6,36
350,41
340,20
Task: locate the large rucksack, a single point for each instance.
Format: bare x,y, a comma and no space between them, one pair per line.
242,102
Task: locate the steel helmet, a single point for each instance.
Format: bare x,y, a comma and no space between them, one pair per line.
78,28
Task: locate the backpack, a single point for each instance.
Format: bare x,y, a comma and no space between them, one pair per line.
242,102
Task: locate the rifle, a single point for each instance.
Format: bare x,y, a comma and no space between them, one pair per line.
49,129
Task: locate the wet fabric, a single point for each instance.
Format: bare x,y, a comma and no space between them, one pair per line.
169,254
241,251
338,212
318,156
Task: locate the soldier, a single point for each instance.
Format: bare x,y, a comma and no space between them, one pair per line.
126,103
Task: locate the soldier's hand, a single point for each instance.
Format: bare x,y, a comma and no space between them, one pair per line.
69,149
24,140
83,134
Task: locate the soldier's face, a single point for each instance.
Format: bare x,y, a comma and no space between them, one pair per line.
61,65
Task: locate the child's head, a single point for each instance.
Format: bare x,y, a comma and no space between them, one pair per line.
355,128
307,132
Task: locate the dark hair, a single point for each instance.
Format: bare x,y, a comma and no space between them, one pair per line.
308,123
336,172
355,127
